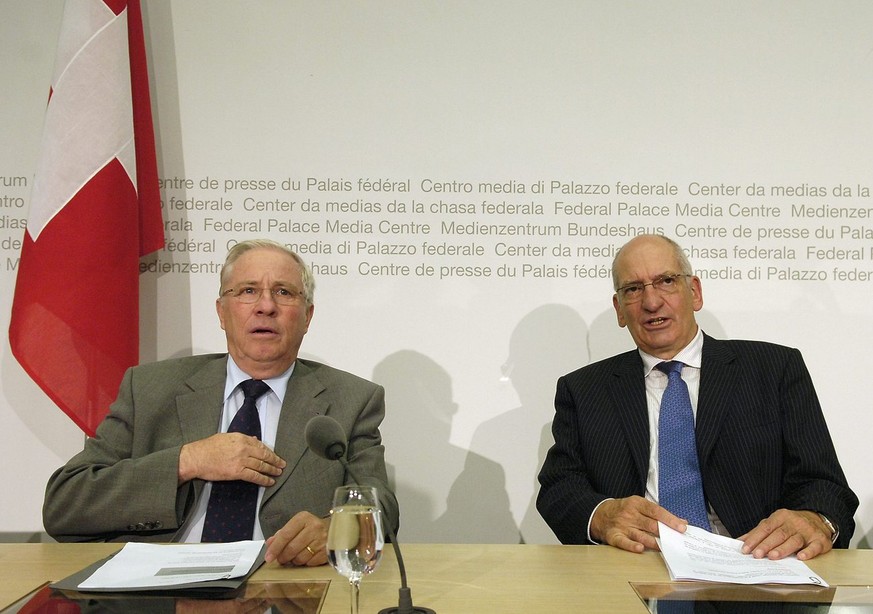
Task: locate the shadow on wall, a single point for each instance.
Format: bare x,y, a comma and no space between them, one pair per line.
547,342
488,494
446,493
161,328
866,540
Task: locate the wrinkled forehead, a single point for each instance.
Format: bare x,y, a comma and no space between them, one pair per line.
263,265
645,261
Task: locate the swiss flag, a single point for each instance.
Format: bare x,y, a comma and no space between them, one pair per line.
94,211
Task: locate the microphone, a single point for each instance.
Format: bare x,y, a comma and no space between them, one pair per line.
326,438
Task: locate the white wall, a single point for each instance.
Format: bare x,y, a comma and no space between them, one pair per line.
680,93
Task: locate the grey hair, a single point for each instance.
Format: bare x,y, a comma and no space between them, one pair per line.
678,252
244,246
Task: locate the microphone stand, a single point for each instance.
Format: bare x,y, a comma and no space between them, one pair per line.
405,602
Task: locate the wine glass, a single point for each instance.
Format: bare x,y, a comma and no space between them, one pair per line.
355,538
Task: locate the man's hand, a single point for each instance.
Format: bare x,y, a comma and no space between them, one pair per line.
632,523
229,456
302,541
786,532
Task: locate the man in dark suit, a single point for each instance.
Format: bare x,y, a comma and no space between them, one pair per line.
149,472
768,467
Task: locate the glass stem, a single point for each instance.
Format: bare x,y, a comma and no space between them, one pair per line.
356,591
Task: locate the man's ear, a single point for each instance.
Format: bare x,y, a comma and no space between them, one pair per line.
219,312
618,314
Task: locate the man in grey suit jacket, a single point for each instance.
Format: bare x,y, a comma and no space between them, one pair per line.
148,472
769,470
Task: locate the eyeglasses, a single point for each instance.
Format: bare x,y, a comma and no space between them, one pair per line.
663,284
252,294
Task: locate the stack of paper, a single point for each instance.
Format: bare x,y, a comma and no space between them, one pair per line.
143,567
700,555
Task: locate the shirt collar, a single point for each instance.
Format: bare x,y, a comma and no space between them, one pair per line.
235,376
691,355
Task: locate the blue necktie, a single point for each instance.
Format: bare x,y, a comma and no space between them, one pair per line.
230,513
680,488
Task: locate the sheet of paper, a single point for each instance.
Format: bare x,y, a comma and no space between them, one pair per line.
140,565
700,555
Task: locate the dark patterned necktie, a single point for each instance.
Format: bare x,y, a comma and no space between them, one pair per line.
680,488
230,513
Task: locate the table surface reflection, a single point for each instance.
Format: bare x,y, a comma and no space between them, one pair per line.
475,578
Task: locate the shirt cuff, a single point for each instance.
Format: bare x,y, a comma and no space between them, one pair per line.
835,531
590,518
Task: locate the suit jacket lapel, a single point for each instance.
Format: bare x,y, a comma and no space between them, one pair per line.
628,391
718,375
199,413
200,410
299,406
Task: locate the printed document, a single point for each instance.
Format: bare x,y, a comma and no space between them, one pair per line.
150,566
700,555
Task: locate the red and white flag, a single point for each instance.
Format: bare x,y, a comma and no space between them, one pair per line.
95,209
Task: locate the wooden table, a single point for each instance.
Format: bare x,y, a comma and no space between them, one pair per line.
478,579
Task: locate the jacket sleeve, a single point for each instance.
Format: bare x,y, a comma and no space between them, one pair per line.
768,442
107,491
366,454
588,463
813,478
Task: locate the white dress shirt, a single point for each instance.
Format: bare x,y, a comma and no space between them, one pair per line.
656,382
269,407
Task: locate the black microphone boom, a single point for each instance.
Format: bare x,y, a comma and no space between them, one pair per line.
325,437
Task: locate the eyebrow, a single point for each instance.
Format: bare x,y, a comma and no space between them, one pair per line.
255,283
640,281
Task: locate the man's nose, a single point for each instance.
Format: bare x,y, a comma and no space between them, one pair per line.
266,301
651,297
